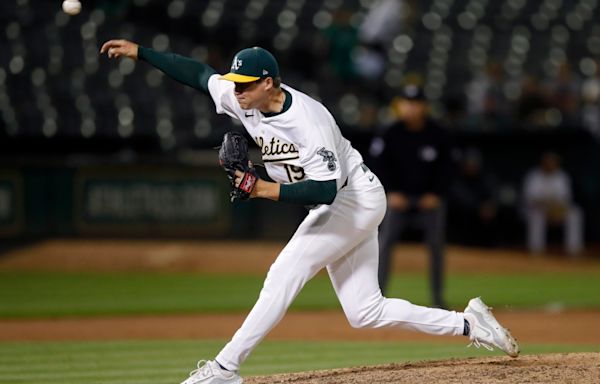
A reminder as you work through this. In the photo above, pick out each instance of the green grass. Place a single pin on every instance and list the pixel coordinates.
(29, 294)
(148, 362)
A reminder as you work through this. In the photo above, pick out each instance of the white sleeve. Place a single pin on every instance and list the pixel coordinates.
(320, 159)
(221, 92)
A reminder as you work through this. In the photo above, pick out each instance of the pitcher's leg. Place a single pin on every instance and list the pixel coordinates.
(354, 279)
(283, 282)
(321, 238)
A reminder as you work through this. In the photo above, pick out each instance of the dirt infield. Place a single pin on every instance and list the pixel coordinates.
(255, 257)
(557, 368)
(252, 257)
(574, 327)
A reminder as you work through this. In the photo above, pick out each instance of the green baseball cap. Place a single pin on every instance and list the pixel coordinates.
(251, 64)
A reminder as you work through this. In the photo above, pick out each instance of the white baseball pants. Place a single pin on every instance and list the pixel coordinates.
(342, 237)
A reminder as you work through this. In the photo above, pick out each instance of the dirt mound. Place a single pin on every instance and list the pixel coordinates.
(552, 368)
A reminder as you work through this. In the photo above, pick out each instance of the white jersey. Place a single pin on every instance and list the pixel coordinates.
(303, 142)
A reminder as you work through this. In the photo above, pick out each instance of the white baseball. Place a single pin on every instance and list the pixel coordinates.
(71, 7)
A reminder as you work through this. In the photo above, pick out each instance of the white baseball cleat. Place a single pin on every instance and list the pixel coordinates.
(486, 331)
(209, 372)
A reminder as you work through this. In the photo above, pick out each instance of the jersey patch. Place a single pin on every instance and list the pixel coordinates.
(328, 157)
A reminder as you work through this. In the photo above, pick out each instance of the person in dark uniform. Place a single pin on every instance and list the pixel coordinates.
(412, 157)
(473, 202)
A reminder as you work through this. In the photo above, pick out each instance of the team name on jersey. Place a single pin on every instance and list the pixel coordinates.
(276, 150)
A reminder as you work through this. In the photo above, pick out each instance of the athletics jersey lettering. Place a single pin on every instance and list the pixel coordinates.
(276, 150)
(304, 142)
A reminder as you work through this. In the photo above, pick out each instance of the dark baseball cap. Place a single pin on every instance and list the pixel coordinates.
(413, 92)
(252, 64)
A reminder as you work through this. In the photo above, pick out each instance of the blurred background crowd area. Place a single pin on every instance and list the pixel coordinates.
(510, 79)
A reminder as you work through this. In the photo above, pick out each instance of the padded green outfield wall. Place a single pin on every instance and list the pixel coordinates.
(116, 201)
(133, 201)
(149, 201)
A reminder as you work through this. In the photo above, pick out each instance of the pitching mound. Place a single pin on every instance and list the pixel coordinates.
(551, 368)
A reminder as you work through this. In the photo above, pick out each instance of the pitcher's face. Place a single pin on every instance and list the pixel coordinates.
(251, 95)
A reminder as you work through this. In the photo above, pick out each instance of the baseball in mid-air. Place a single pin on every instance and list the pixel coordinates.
(71, 7)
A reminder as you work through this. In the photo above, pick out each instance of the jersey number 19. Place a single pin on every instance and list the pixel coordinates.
(294, 173)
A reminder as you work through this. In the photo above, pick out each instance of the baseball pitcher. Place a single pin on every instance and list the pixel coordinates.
(312, 164)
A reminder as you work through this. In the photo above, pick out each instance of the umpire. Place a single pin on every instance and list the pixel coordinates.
(412, 158)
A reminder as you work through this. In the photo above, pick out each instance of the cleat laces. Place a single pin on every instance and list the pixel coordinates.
(203, 370)
(478, 344)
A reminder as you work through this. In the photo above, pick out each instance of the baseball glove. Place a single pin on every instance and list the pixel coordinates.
(233, 155)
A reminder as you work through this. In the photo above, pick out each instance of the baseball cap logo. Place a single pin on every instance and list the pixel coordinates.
(251, 64)
(237, 64)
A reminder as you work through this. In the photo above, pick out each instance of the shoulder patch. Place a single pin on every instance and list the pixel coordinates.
(328, 157)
